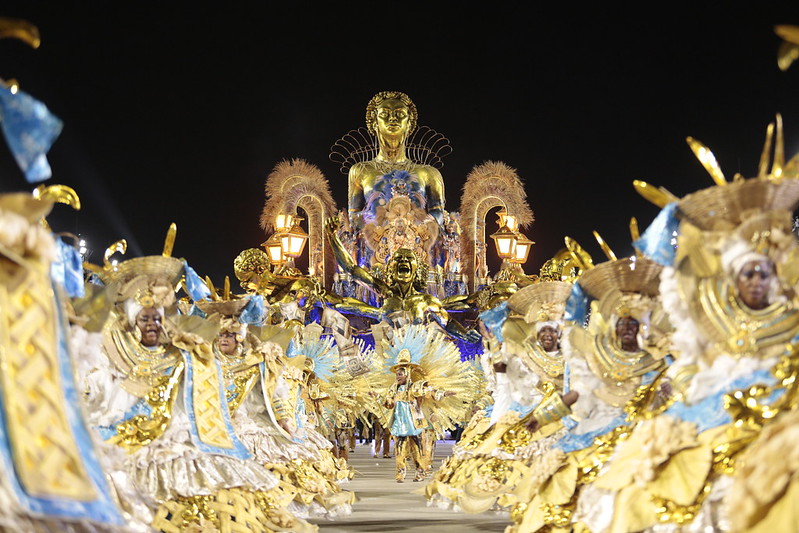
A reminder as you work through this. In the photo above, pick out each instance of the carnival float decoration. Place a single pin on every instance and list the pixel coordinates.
(396, 201)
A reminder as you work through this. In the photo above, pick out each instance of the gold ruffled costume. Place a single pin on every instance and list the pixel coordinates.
(48, 458)
(489, 464)
(607, 377)
(668, 474)
(190, 486)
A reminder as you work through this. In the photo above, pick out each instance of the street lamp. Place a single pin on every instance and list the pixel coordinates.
(505, 241)
(293, 239)
(274, 247)
(507, 220)
(282, 223)
(522, 250)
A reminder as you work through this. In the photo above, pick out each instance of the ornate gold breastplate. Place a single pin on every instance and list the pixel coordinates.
(611, 363)
(548, 367)
(620, 371)
(735, 328)
(142, 366)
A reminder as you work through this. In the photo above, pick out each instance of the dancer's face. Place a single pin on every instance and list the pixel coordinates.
(402, 376)
(753, 283)
(627, 333)
(149, 323)
(227, 343)
(548, 338)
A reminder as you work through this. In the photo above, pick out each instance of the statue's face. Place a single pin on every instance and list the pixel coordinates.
(149, 323)
(627, 333)
(753, 283)
(393, 117)
(548, 338)
(404, 265)
(227, 343)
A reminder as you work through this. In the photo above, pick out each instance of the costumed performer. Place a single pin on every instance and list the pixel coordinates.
(315, 361)
(625, 345)
(702, 461)
(157, 392)
(52, 477)
(427, 374)
(525, 366)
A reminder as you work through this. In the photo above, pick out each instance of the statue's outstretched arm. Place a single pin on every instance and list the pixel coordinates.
(347, 262)
(452, 327)
(457, 303)
(348, 305)
(456, 329)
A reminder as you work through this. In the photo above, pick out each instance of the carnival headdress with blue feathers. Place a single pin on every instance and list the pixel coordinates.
(321, 352)
(407, 347)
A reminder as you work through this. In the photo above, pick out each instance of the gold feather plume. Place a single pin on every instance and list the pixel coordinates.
(296, 183)
(492, 184)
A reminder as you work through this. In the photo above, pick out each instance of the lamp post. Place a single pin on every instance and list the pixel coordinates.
(522, 250)
(294, 239)
(292, 243)
(505, 241)
(286, 243)
(274, 247)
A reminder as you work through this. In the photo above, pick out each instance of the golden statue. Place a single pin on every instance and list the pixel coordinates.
(401, 290)
(391, 117)
(396, 191)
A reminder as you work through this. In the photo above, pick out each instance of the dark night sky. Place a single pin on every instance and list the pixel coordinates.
(178, 114)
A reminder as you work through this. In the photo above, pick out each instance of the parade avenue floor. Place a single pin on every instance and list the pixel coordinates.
(385, 505)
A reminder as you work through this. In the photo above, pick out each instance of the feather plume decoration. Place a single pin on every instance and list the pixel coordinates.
(321, 351)
(492, 184)
(362, 391)
(425, 146)
(294, 184)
